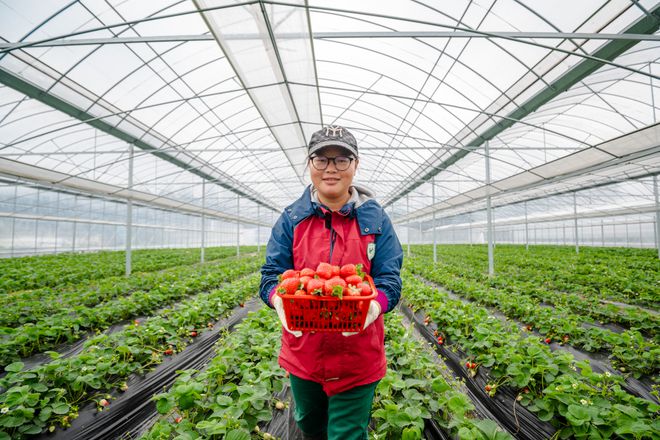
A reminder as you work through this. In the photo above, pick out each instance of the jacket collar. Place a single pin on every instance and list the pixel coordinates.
(360, 205)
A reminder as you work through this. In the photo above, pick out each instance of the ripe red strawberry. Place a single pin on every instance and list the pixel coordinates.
(288, 286)
(168, 352)
(193, 333)
(548, 340)
(347, 270)
(324, 270)
(488, 388)
(289, 274)
(366, 288)
(351, 269)
(178, 419)
(307, 272)
(304, 280)
(355, 280)
(315, 286)
(336, 270)
(441, 340)
(334, 287)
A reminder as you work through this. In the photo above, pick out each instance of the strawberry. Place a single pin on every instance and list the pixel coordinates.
(168, 352)
(548, 340)
(366, 288)
(355, 280)
(315, 286)
(178, 419)
(289, 274)
(441, 340)
(280, 405)
(307, 272)
(488, 388)
(347, 270)
(193, 333)
(305, 279)
(300, 292)
(104, 402)
(324, 270)
(334, 287)
(336, 270)
(289, 286)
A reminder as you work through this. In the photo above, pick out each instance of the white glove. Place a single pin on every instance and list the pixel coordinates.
(279, 308)
(372, 315)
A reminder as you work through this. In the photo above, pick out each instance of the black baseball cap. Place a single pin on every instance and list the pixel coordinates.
(332, 135)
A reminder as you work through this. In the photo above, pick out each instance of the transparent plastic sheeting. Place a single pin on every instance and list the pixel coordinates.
(228, 92)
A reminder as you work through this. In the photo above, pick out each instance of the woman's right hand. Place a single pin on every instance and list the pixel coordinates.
(279, 308)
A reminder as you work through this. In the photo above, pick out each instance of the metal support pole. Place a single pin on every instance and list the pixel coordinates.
(641, 243)
(203, 220)
(129, 213)
(258, 229)
(238, 226)
(36, 225)
(627, 235)
(421, 234)
(526, 229)
(489, 214)
(575, 224)
(657, 213)
(435, 252)
(602, 233)
(57, 223)
(652, 95)
(408, 222)
(13, 221)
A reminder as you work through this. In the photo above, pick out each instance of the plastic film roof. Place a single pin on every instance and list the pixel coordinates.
(559, 95)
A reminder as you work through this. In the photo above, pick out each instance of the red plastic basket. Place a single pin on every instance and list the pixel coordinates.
(326, 313)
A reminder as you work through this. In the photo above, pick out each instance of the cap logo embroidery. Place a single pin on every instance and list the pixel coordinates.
(334, 131)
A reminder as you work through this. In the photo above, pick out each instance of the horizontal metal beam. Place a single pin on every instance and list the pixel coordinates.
(330, 35)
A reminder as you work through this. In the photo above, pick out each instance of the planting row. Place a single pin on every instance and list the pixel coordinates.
(618, 274)
(628, 350)
(28, 306)
(71, 324)
(533, 275)
(40, 400)
(63, 269)
(578, 402)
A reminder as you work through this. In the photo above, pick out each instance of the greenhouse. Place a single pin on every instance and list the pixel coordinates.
(166, 168)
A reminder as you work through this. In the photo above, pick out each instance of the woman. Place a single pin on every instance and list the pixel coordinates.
(334, 375)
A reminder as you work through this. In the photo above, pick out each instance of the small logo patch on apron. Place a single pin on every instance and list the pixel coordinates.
(371, 251)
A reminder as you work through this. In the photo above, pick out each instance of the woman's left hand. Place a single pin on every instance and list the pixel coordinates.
(372, 315)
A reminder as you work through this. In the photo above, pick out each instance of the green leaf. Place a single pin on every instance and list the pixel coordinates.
(237, 434)
(14, 367)
(411, 434)
(164, 405)
(61, 408)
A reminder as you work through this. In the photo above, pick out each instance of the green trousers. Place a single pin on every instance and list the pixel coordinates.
(344, 416)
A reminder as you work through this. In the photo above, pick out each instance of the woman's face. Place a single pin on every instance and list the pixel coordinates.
(331, 183)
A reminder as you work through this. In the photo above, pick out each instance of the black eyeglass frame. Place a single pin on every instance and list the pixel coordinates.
(334, 160)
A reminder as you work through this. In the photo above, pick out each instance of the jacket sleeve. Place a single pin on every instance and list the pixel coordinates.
(386, 264)
(279, 256)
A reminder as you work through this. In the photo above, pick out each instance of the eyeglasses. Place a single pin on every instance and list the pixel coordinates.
(342, 163)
